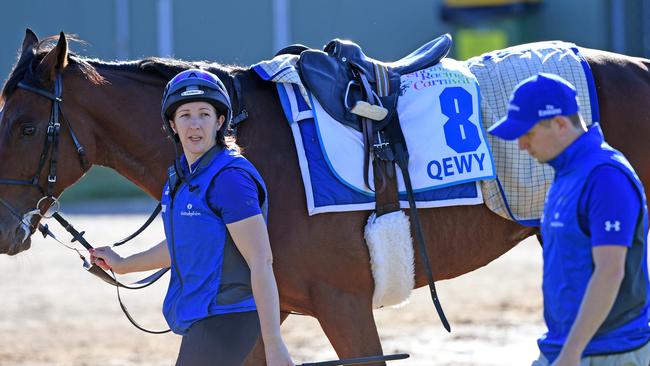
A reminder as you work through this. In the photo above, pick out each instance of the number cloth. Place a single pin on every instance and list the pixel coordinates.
(331, 155)
(439, 114)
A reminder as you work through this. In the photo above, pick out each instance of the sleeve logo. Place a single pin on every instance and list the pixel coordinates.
(616, 225)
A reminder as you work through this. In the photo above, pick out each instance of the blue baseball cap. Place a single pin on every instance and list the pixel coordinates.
(541, 96)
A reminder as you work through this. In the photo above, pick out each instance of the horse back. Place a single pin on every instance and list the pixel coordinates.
(623, 88)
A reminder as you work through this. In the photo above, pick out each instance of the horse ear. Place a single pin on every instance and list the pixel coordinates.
(29, 44)
(30, 40)
(55, 60)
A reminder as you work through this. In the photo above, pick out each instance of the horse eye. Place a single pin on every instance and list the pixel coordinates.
(28, 130)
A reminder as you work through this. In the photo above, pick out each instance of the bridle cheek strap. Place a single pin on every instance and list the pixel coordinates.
(50, 145)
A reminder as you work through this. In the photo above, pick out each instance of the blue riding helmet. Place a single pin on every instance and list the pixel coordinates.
(195, 85)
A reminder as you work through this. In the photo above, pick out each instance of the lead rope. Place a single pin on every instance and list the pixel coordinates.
(96, 270)
(152, 217)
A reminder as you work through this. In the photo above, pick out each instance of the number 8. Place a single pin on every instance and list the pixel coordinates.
(460, 134)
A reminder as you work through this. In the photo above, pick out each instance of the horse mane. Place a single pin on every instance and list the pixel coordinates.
(25, 68)
(165, 68)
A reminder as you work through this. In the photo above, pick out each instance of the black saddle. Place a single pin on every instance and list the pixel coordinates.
(332, 76)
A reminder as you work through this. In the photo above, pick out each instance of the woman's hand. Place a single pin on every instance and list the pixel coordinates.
(107, 259)
(153, 258)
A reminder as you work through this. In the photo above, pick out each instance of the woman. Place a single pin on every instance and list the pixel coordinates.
(216, 243)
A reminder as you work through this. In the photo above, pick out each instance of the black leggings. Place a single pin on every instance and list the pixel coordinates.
(220, 340)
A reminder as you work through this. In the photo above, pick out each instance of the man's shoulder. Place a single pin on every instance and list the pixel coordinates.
(608, 181)
(607, 172)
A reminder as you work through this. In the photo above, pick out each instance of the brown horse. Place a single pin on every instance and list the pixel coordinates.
(321, 262)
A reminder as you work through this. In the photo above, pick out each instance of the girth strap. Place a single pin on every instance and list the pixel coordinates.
(386, 201)
(383, 83)
(367, 128)
(402, 159)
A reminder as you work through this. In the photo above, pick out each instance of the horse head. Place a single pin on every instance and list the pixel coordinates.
(38, 151)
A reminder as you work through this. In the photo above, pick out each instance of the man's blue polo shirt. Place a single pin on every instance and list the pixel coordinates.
(595, 199)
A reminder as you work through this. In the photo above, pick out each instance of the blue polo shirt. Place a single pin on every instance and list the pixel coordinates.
(609, 193)
(596, 199)
(233, 194)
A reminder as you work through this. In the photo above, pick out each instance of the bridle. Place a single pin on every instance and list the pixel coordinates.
(50, 147)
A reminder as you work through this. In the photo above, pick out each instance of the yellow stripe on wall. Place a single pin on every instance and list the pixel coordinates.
(484, 3)
(474, 42)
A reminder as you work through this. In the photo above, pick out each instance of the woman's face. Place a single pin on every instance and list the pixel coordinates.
(196, 124)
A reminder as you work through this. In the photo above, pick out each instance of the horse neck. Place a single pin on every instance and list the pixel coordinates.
(126, 127)
(265, 136)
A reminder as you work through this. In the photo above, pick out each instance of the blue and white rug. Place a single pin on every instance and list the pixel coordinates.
(520, 189)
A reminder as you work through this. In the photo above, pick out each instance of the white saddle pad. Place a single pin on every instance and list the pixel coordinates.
(441, 121)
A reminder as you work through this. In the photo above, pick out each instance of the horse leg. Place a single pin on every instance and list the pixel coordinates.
(348, 323)
(257, 356)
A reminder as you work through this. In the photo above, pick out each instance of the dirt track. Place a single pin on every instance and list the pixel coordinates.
(52, 313)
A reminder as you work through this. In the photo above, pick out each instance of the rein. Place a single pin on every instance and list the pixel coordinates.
(50, 147)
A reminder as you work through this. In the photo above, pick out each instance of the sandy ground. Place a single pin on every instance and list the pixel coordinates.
(53, 313)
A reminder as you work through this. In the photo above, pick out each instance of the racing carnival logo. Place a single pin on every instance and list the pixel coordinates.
(433, 76)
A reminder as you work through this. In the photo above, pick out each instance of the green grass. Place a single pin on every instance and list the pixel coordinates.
(101, 183)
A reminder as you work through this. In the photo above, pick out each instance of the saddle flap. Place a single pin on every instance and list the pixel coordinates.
(326, 76)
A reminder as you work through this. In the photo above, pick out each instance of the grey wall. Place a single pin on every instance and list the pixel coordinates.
(373, 24)
(241, 31)
(584, 22)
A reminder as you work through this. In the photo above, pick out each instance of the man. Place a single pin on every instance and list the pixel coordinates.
(594, 230)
